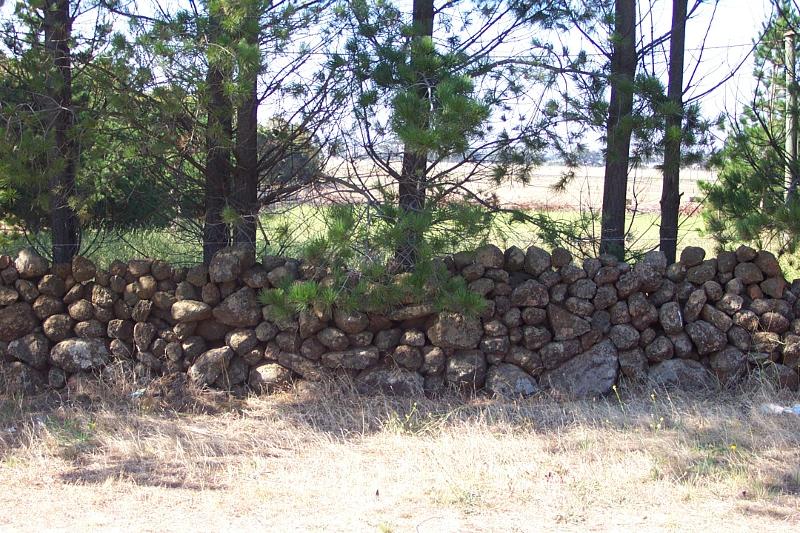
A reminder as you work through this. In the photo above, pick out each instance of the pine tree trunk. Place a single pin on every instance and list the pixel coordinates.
(245, 196)
(218, 154)
(63, 220)
(245, 190)
(411, 186)
(623, 72)
(670, 194)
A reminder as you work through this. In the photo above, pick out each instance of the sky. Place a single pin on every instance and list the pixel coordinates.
(736, 24)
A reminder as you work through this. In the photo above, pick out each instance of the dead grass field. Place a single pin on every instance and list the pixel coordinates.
(335, 461)
(583, 192)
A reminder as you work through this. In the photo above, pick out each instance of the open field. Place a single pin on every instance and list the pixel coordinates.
(583, 191)
(335, 461)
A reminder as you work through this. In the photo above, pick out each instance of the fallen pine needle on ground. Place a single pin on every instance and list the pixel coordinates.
(328, 459)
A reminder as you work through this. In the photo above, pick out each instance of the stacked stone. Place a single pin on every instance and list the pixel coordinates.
(548, 322)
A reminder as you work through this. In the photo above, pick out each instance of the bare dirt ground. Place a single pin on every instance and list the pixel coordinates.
(330, 460)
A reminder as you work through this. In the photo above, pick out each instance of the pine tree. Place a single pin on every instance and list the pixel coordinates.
(215, 69)
(748, 202)
(68, 164)
(441, 93)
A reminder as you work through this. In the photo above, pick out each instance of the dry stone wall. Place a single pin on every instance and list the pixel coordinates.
(576, 328)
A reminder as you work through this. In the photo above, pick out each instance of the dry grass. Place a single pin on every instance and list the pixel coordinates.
(296, 461)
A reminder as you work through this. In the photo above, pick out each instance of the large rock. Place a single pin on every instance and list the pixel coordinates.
(412, 312)
(29, 264)
(455, 331)
(624, 336)
(193, 347)
(32, 349)
(391, 381)
(353, 359)
(240, 309)
(351, 322)
(143, 334)
(255, 277)
(694, 305)
(90, 329)
(307, 369)
(333, 338)
(408, 357)
(706, 337)
(729, 364)
(768, 264)
(102, 297)
(589, 374)
(433, 360)
(657, 260)
(309, 324)
(16, 320)
(642, 312)
(83, 269)
(530, 293)
(79, 355)
(241, 341)
(685, 374)
(190, 311)
(58, 327)
(717, 318)
(748, 273)
(529, 360)
(139, 267)
(120, 329)
(692, 256)
(210, 365)
(730, 303)
(703, 272)
(466, 368)
(20, 379)
(537, 261)
(670, 317)
(554, 353)
(633, 363)
(8, 295)
(489, 256)
(230, 262)
(565, 324)
(774, 287)
(510, 381)
(268, 378)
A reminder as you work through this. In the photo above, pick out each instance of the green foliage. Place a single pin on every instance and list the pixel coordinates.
(749, 201)
(381, 294)
(356, 252)
(115, 189)
(432, 90)
(456, 296)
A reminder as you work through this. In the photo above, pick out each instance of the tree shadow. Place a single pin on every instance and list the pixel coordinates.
(143, 472)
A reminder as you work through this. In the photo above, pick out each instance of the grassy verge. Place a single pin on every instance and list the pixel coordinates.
(332, 460)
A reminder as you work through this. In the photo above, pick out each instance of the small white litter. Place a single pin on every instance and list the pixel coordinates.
(775, 409)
